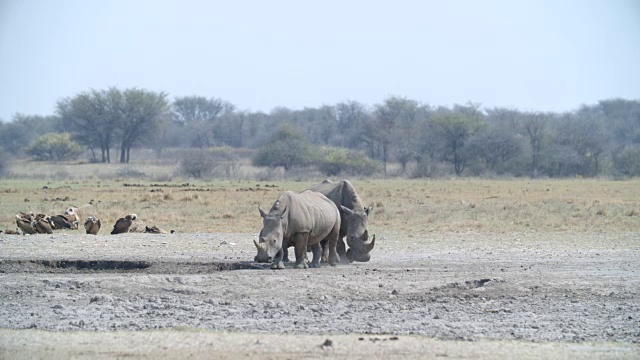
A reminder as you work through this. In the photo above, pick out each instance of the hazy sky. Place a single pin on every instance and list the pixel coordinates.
(532, 55)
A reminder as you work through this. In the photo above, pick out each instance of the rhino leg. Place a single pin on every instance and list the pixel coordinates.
(300, 241)
(341, 249)
(277, 260)
(333, 242)
(325, 250)
(285, 250)
(316, 249)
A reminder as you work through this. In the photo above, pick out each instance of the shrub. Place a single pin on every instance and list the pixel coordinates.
(197, 164)
(213, 162)
(226, 162)
(336, 161)
(627, 162)
(4, 163)
(54, 147)
(288, 148)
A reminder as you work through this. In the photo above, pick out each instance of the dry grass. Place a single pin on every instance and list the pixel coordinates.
(407, 206)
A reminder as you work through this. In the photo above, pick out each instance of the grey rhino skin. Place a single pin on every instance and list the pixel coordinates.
(303, 220)
(354, 216)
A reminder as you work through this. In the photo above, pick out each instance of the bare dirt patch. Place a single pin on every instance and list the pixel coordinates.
(521, 289)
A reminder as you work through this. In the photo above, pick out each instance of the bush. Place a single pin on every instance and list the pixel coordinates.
(197, 164)
(335, 161)
(288, 148)
(214, 162)
(4, 163)
(54, 147)
(627, 162)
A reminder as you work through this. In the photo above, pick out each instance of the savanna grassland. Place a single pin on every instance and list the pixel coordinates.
(462, 267)
(413, 207)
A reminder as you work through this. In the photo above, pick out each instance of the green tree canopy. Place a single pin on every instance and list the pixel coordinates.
(454, 129)
(54, 147)
(288, 148)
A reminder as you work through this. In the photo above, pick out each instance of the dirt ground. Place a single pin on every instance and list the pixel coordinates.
(524, 295)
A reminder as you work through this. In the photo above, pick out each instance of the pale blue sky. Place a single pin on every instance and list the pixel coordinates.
(531, 55)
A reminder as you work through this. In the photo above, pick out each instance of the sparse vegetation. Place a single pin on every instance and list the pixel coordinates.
(337, 161)
(54, 147)
(408, 138)
(412, 206)
(4, 163)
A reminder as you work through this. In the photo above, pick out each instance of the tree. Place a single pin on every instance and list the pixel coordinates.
(583, 138)
(143, 111)
(16, 135)
(351, 117)
(494, 146)
(454, 130)
(93, 117)
(4, 162)
(200, 115)
(393, 112)
(54, 147)
(288, 148)
(534, 124)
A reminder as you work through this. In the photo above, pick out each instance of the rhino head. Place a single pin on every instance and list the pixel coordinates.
(271, 236)
(357, 234)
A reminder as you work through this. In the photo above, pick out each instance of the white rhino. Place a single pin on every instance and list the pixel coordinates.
(303, 220)
(354, 217)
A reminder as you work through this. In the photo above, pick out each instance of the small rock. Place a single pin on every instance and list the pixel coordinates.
(327, 343)
(394, 292)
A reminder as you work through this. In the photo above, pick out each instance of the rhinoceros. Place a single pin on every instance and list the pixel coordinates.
(303, 220)
(354, 217)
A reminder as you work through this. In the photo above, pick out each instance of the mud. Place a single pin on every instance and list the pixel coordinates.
(528, 287)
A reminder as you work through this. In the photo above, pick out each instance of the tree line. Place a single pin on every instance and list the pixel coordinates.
(426, 140)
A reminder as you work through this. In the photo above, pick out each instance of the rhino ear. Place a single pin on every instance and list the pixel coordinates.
(346, 210)
(283, 212)
(262, 213)
(367, 210)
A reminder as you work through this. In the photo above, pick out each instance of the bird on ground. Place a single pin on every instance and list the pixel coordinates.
(23, 221)
(154, 230)
(42, 224)
(123, 224)
(92, 225)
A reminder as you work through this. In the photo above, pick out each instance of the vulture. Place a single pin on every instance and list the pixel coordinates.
(123, 224)
(73, 218)
(154, 230)
(42, 224)
(137, 226)
(24, 223)
(92, 225)
(61, 222)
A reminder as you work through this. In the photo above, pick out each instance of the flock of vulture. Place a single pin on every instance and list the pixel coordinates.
(28, 224)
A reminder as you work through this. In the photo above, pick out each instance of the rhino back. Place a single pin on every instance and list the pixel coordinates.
(308, 212)
(341, 192)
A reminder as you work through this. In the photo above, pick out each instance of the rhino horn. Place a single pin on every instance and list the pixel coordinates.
(262, 213)
(368, 246)
(256, 244)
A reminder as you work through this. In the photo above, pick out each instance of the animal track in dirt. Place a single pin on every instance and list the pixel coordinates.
(469, 284)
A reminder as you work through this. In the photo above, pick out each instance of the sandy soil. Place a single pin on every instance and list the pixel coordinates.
(457, 295)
